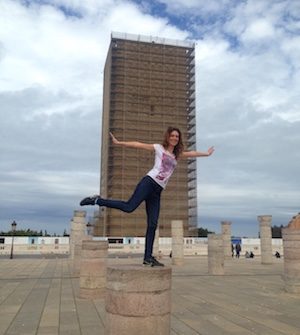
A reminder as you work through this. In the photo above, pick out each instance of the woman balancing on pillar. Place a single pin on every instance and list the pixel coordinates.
(151, 186)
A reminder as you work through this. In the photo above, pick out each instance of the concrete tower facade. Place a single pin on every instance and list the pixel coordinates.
(149, 84)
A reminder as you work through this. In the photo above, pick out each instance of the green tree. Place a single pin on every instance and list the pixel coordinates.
(46, 233)
(21, 232)
(203, 232)
(276, 231)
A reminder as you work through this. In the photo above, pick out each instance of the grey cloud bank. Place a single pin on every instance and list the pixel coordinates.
(248, 98)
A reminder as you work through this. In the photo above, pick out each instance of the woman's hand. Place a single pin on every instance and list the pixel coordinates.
(114, 140)
(210, 151)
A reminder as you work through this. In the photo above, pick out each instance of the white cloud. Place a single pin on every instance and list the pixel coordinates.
(128, 18)
(45, 49)
(259, 29)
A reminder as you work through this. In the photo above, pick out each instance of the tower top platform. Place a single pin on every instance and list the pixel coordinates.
(152, 39)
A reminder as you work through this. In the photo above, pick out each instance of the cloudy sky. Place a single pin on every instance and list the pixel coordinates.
(52, 55)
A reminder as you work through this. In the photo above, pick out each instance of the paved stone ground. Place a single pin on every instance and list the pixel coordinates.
(40, 296)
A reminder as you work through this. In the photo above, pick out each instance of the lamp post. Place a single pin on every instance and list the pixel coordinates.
(13, 229)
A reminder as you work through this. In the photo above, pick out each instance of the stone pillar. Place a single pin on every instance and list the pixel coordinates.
(265, 238)
(71, 239)
(98, 222)
(78, 235)
(291, 252)
(78, 226)
(138, 300)
(78, 255)
(295, 222)
(156, 244)
(93, 269)
(215, 254)
(226, 233)
(177, 242)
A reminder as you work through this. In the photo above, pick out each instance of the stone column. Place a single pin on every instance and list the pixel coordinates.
(138, 300)
(98, 222)
(93, 269)
(78, 235)
(71, 246)
(291, 252)
(78, 226)
(226, 233)
(156, 244)
(265, 238)
(177, 242)
(215, 254)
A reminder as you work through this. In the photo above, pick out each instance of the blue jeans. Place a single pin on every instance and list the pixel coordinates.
(149, 191)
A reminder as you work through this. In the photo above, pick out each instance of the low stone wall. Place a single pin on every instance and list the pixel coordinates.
(191, 247)
(41, 249)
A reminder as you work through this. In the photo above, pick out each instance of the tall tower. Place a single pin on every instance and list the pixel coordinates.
(149, 84)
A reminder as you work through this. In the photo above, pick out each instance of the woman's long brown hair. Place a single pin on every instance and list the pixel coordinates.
(178, 149)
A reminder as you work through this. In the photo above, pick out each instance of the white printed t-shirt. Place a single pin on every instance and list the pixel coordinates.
(164, 166)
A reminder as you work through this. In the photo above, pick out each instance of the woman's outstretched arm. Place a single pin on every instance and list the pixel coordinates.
(190, 154)
(134, 144)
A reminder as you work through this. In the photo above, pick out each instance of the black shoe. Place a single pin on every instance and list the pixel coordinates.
(155, 262)
(89, 200)
(147, 262)
(152, 262)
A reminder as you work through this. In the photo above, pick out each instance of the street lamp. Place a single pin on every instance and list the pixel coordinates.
(13, 229)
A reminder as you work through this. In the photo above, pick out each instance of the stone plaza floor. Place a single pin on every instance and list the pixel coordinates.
(40, 296)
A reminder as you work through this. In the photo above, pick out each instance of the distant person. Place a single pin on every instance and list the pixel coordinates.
(238, 250)
(277, 254)
(251, 254)
(247, 254)
(150, 187)
(232, 250)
